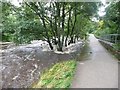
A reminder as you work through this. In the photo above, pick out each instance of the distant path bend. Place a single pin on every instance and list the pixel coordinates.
(100, 71)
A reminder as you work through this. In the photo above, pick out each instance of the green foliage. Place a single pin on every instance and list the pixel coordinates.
(20, 25)
(116, 46)
(110, 23)
(59, 76)
(46, 20)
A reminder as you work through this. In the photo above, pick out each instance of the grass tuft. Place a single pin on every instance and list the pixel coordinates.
(59, 76)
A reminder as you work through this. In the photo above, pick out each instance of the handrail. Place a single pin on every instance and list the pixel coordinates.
(113, 38)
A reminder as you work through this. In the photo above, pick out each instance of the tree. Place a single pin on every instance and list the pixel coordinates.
(55, 22)
(110, 23)
(19, 24)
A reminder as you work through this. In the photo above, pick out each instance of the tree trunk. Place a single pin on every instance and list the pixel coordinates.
(68, 28)
(48, 39)
(63, 20)
(59, 33)
(71, 35)
(52, 27)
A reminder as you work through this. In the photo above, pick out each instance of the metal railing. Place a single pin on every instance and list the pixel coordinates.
(113, 38)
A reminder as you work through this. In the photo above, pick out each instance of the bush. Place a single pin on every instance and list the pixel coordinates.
(117, 46)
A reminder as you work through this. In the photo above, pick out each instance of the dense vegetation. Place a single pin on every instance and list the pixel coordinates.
(59, 76)
(108, 27)
(59, 23)
(110, 22)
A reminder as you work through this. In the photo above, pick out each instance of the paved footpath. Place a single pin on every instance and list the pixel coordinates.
(100, 71)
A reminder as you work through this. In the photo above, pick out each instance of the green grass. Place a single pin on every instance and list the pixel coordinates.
(116, 46)
(59, 76)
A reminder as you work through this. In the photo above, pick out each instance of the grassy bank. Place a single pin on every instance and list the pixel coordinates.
(59, 76)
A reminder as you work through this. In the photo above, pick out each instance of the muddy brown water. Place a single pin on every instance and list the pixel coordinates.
(20, 69)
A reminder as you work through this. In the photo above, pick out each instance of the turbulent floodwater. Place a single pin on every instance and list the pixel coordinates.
(21, 66)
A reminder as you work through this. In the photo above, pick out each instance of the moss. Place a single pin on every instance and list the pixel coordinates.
(59, 76)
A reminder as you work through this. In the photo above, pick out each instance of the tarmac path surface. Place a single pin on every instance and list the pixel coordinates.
(98, 69)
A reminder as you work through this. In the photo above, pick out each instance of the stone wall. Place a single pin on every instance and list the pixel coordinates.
(109, 47)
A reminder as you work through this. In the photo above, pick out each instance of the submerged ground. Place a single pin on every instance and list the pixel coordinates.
(22, 65)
